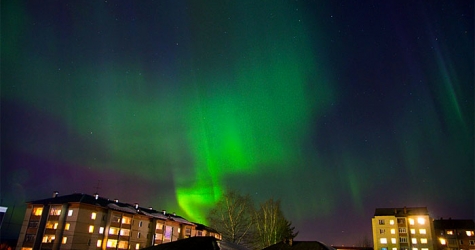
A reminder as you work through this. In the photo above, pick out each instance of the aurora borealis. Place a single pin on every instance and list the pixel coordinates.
(335, 107)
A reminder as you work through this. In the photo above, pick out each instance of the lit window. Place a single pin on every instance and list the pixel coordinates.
(93, 215)
(65, 239)
(159, 225)
(67, 226)
(450, 232)
(91, 229)
(55, 211)
(442, 241)
(414, 240)
(123, 245)
(422, 231)
(469, 233)
(424, 248)
(111, 243)
(394, 248)
(391, 222)
(179, 230)
(424, 240)
(382, 231)
(393, 231)
(126, 220)
(114, 231)
(48, 238)
(37, 211)
(421, 221)
(411, 221)
(101, 230)
(52, 225)
(137, 246)
(393, 240)
(99, 243)
(70, 212)
(125, 232)
(413, 231)
(383, 241)
(414, 248)
(381, 222)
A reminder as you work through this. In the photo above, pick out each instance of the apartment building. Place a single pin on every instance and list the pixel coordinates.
(407, 228)
(455, 234)
(82, 221)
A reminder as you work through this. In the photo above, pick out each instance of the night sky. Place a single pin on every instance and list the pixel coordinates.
(334, 107)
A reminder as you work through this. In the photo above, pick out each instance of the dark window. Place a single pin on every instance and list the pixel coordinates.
(33, 224)
(30, 238)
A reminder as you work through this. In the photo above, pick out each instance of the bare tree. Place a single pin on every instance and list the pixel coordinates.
(271, 224)
(232, 217)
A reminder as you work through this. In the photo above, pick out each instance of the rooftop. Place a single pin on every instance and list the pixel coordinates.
(106, 203)
(401, 212)
(454, 224)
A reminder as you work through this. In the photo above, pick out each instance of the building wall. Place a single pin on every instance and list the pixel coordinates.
(413, 232)
(453, 238)
(85, 226)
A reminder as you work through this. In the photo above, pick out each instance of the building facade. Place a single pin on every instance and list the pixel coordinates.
(403, 229)
(455, 234)
(81, 221)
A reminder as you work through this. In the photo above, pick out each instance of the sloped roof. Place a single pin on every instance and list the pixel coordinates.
(401, 212)
(203, 227)
(107, 204)
(454, 224)
(299, 245)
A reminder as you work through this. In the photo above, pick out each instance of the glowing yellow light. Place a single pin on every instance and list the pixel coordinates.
(37, 211)
(469, 233)
(422, 231)
(450, 232)
(99, 243)
(393, 231)
(383, 240)
(411, 221)
(91, 229)
(66, 227)
(93, 216)
(413, 231)
(393, 240)
(442, 241)
(391, 222)
(424, 240)
(421, 221)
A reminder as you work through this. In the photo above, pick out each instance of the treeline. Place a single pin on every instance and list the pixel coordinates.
(242, 223)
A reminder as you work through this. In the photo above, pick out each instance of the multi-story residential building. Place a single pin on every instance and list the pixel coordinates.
(81, 221)
(455, 234)
(403, 229)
